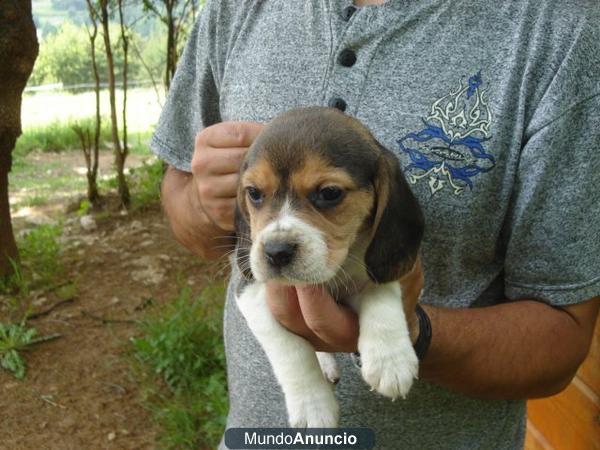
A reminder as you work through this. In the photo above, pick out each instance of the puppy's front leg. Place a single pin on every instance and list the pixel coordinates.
(309, 397)
(389, 363)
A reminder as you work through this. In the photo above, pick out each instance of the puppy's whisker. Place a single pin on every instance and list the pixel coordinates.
(243, 241)
(232, 247)
(340, 276)
(237, 238)
(343, 281)
(349, 279)
(228, 254)
(335, 294)
(244, 258)
(361, 264)
(244, 267)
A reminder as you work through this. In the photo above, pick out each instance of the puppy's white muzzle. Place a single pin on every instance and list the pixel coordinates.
(290, 250)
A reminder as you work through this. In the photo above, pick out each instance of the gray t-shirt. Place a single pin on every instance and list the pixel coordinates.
(493, 109)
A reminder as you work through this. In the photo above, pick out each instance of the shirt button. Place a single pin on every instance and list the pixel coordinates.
(348, 12)
(347, 58)
(339, 103)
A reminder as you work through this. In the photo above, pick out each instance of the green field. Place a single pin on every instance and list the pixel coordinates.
(48, 164)
(143, 107)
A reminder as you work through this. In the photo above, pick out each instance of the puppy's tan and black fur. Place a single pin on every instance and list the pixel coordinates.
(320, 201)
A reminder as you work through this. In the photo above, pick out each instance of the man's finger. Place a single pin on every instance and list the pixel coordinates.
(217, 161)
(230, 134)
(221, 186)
(332, 323)
(283, 303)
(226, 160)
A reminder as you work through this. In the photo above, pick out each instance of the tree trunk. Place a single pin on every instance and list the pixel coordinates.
(8, 248)
(171, 46)
(119, 161)
(125, 45)
(92, 165)
(18, 50)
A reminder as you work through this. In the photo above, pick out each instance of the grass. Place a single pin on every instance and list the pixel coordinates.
(35, 200)
(58, 136)
(180, 358)
(48, 119)
(40, 268)
(38, 179)
(39, 251)
(145, 183)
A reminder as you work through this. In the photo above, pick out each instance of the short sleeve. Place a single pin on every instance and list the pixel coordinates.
(553, 248)
(193, 100)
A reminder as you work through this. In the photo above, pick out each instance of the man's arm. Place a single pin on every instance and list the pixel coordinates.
(520, 349)
(200, 205)
(515, 350)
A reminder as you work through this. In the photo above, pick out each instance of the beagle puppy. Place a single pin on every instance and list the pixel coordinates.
(320, 201)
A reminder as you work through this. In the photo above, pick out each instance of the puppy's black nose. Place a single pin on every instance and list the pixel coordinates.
(279, 253)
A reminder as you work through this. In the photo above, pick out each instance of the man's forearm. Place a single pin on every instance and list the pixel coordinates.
(515, 350)
(190, 225)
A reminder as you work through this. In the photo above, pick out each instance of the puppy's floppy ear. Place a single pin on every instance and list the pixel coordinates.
(397, 224)
(244, 239)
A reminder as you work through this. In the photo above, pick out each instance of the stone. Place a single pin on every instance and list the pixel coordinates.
(149, 276)
(136, 225)
(88, 223)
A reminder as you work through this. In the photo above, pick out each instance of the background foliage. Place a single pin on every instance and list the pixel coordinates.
(65, 55)
(182, 345)
(177, 349)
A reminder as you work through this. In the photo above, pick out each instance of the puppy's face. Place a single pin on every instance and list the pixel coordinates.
(302, 224)
(309, 187)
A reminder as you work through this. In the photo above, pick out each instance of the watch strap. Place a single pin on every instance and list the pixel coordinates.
(421, 345)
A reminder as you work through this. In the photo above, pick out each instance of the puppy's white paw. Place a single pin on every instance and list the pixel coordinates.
(390, 372)
(329, 367)
(317, 408)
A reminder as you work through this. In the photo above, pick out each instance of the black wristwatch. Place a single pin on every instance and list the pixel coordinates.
(421, 345)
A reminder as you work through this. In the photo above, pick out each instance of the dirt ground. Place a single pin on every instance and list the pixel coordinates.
(79, 392)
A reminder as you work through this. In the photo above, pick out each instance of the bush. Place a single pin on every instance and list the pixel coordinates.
(182, 345)
(65, 57)
(153, 53)
(145, 184)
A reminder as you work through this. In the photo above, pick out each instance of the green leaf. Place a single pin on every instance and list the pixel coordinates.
(13, 362)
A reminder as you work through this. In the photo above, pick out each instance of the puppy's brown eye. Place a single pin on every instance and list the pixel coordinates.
(327, 197)
(255, 195)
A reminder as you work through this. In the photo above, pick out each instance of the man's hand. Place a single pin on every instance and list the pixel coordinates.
(200, 206)
(219, 152)
(311, 312)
